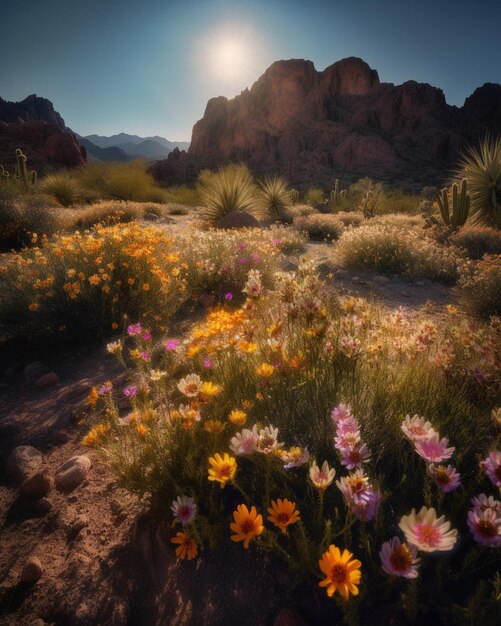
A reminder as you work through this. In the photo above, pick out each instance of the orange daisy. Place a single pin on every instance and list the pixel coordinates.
(341, 571)
(247, 524)
(283, 513)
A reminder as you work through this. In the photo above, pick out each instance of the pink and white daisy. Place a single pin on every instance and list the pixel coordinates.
(482, 502)
(295, 457)
(190, 385)
(485, 526)
(367, 508)
(399, 559)
(427, 532)
(433, 449)
(347, 440)
(492, 467)
(353, 458)
(446, 478)
(245, 442)
(417, 427)
(341, 412)
(348, 425)
(184, 510)
(268, 440)
(321, 478)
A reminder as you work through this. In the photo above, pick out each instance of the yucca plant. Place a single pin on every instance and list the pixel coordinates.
(482, 168)
(63, 187)
(225, 191)
(274, 198)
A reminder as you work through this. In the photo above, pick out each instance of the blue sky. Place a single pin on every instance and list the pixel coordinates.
(149, 66)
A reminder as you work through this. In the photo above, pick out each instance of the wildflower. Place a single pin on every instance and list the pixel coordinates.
(247, 524)
(354, 487)
(146, 287)
(207, 363)
(485, 526)
(321, 478)
(352, 458)
(268, 440)
(399, 559)
(228, 296)
(209, 390)
(184, 510)
(34, 306)
(283, 513)
(427, 532)
(172, 345)
(451, 309)
(492, 467)
(433, 449)
(341, 412)
(416, 427)
(145, 356)
(105, 388)
(446, 478)
(265, 370)
(253, 285)
(157, 374)
(238, 417)
(190, 385)
(115, 347)
(223, 468)
(134, 329)
(482, 502)
(92, 396)
(142, 430)
(214, 426)
(247, 347)
(130, 391)
(187, 549)
(295, 457)
(245, 442)
(342, 572)
(147, 336)
(367, 509)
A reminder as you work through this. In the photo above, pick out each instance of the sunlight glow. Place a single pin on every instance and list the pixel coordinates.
(229, 60)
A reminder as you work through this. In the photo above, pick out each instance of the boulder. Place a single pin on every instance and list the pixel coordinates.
(47, 380)
(32, 571)
(35, 370)
(38, 485)
(22, 462)
(72, 473)
(238, 219)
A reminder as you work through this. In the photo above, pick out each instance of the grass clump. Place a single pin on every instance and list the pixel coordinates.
(481, 288)
(320, 227)
(314, 196)
(392, 250)
(63, 186)
(477, 240)
(182, 195)
(225, 191)
(274, 199)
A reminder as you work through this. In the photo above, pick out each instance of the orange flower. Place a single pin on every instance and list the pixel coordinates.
(237, 417)
(247, 524)
(341, 571)
(283, 513)
(187, 548)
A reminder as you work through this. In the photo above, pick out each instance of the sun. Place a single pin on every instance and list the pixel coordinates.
(229, 60)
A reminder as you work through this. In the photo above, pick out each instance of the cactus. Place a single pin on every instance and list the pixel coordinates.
(294, 196)
(337, 194)
(3, 172)
(368, 205)
(454, 213)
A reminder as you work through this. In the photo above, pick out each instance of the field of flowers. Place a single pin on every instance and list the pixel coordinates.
(358, 445)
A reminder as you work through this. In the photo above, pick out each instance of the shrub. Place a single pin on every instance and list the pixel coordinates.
(481, 289)
(392, 250)
(182, 194)
(105, 212)
(227, 190)
(482, 169)
(399, 220)
(320, 227)
(477, 240)
(63, 187)
(177, 209)
(314, 195)
(297, 210)
(350, 218)
(274, 199)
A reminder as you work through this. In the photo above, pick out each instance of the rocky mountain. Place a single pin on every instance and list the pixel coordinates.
(34, 126)
(149, 148)
(95, 153)
(342, 123)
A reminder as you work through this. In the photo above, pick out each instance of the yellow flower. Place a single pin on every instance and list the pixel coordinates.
(265, 370)
(223, 468)
(142, 430)
(34, 306)
(92, 396)
(452, 309)
(214, 426)
(146, 287)
(187, 548)
(238, 417)
(247, 347)
(209, 389)
(283, 513)
(247, 524)
(94, 279)
(342, 573)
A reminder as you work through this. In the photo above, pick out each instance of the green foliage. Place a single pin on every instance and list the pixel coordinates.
(454, 213)
(227, 190)
(337, 195)
(26, 180)
(314, 196)
(273, 199)
(63, 187)
(320, 227)
(182, 194)
(482, 169)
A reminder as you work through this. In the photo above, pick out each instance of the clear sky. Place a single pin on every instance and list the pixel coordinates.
(149, 66)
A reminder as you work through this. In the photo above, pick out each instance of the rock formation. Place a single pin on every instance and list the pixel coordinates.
(343, 122)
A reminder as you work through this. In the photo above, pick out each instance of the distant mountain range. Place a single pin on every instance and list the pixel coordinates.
(124, 147)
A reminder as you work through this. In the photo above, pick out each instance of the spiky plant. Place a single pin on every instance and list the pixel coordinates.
(229, 189)
(274, 198)
(63, 186)
(482, 168)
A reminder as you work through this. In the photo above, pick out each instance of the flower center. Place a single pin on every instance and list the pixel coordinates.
(417, 431)
(339, 573)
(247, 527)
(442, 476)
(428, 535)
(282, 518)
(225, 471)
(401, 559)
(486, 528)
(191, 388)
(184, 512)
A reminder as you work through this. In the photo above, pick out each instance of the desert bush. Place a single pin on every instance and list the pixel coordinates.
(120, 181)
(482, 169)
(301, 210)
(396, 201)
(246, 408)
(63, 187)
(25, 217)
(273, 199)
(314, 195)
(393, 250)
(183, 195)
(399, 220)
(320, 227)
(227, 190)
(481, 287)
(177, 209)
(350, 218)
(477, 240)
(105, 212)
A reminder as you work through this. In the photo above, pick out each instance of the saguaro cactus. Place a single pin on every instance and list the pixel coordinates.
(454, 213)
(337, 194)
(22, 171)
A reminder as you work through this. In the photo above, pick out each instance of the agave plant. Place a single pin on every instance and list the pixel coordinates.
(482, 168)
(274, 198)
(225, 191)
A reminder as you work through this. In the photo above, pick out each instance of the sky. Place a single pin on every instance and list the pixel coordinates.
(148, 67)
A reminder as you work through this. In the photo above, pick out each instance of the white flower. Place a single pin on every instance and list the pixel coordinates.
(427, 532)
(321, 478)
(417, 428)
(184, 509)
(157, 374)
(190, 385)
(114, 347)
(253, 286)
(268, 440)
(245, 442)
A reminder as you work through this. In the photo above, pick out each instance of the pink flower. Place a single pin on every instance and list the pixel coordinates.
(434, 450)
(354, 487)
(145, 356)
(485, 526)
(446, 478)
(172, 344)
(147, 335)
(228, 296)
(417, 428)
(207, 363)
(184, 509)
(106, 388)
(482, 502)
(427, 532)
(348, 425)
(341, 412)
(245, 442)
(492, 467)
(130, 392)
(134, 329)
(353, 458)
(399, 559)
(368, 508)
(347, 440)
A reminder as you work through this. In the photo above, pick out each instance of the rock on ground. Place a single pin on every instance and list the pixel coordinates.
(72, 473)
(22, 462)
